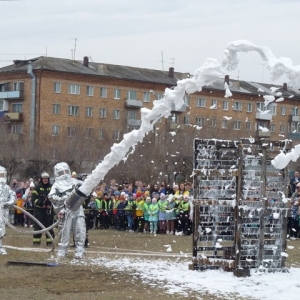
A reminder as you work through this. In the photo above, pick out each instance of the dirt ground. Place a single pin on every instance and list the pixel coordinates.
(69, 281)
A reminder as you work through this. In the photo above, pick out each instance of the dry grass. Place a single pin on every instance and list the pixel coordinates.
(68, 281)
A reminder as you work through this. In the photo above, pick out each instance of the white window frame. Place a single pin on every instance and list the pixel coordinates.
(146, 97)
(132, 95)
(295, 111)
(187, 100)
(117, 94)
(224, 123)
(132, 115)
(200, 102)
(225, 105)
(248, 125)
(57, 87)
(200, 121)
(237, 106)
(213, 122)
(186, 120)
(90, 132)
(73, 110)
(89, 112)
(17, 107)
(116, 134)
(237, 125)
(74, 89)
(55, 130)
(103, 113)
(282, 128)
(214, 103)
(90, 91)
(103, 92)
(249, 107)
(116, 114)
(272, 127)
(282, 110)
(56, 109)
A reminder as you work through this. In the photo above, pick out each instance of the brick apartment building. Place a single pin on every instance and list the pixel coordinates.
(49, 98)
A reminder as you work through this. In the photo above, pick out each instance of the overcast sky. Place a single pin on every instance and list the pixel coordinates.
(137, 32)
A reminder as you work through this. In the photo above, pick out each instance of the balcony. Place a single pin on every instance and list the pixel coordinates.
(8, 117)
(261, 116)
(134, 103)
(181, 109)
(294, 136)
(11, 95)
(263, 134)
(134, 122)
(294, 118)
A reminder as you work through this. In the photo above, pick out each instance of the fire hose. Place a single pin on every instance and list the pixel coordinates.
(44, 229)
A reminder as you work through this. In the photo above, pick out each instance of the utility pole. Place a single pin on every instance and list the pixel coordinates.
(173, 61)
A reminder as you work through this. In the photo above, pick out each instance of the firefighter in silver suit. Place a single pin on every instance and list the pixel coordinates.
(73, 220)
(7, 198)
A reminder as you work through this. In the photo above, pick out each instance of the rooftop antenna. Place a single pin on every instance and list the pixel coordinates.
(162, 60)
(74, 50)
(173, 61)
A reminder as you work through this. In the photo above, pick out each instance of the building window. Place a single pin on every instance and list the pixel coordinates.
(295, 112)
(224, 123)
(3, 105)
(272, 108)
(131, 95)
(214, 104)
(187, 100)
(282, 110)
(57, 87)
(117, 94)
(237, 106)
(200, 102)
(159, 96)
(103, 92)
(200, 121)
(117, 114)
(146, 97)
(74, 89)
(248, 125)
(225, 105)
(17, 107)
(213, 122)
(55, 130)
(237, 125)
(173, 119)
(249, 107)
(71, 131)
(18, 86)
(116, 135)
(73, 110)
(102, 113)
(272, 127)
(89, 112)
(17, 129)
(282, 128)
(186, 120)
(89, 133)
(131, 115)
(295, 127)
(56, 109)
(101, 134)
(90, 91)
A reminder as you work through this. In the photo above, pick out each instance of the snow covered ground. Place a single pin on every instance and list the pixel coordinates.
(175, 277)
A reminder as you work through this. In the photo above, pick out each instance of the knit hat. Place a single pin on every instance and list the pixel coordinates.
(74, 174)
(31, 184)
(162, 195)
(117, 193)
(94, 194)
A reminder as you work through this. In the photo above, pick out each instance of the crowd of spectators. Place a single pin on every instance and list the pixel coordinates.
(148, 208)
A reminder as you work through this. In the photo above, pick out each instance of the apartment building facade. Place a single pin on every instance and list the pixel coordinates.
(49, 98)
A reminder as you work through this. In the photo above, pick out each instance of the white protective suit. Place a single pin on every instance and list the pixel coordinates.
(73, 220)
(7, 198)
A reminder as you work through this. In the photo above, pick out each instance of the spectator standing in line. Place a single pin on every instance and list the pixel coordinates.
(170, 215)
(153, 215)
(294, 181)
(147, 203)
(293, 222)
(162, 204)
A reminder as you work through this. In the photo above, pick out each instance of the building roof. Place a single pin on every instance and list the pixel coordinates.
(143, 75)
